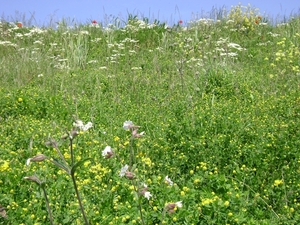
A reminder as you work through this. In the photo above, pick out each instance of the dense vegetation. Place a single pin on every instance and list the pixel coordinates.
(218, 100)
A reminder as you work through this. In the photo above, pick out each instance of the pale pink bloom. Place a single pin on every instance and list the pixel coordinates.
(171, 206)
(129, 175)
(135, 134)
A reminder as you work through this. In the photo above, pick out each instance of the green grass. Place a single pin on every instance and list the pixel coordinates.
(219, 102)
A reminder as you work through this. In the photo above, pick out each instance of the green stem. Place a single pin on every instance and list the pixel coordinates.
(139, 201)
(47, 205)
(72, 153)
(79, 199)
(131, 152)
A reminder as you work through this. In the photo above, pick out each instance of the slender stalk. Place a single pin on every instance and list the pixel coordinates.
(140, 209)
(139, 201)
(79, 199)
(47, 205)
(72, 152)
(163, 216)
(131, 152)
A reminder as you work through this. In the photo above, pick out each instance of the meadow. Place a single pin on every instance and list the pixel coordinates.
(197, 123)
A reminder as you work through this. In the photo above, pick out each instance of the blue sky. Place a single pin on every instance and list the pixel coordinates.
(83, 11)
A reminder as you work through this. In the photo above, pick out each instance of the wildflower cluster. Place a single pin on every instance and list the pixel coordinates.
(244, 18)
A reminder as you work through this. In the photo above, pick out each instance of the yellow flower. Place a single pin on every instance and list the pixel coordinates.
(4, 166)
(278, 182)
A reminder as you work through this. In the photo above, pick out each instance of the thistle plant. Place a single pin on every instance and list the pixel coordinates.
(61, 163)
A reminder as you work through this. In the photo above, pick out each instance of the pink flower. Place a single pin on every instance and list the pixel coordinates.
(180, 22)
(135, 134)
(145, 192)
(94, 22)
(171, 207)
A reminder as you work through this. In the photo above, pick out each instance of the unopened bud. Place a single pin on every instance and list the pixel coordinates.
(37, 158)
(73, 133)
(109, 155)
(3, 212)
(65, 136)
(33, 178)
(51, 143)
(129, 175)
(171, 206)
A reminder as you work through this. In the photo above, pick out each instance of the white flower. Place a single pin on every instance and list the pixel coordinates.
(87, 126)
(147, 195)
(178, 204)
(169, 181)
(107, 152)
(123, 170)
(28, 161)
(82, 126)
(78, 123)
(128, 125)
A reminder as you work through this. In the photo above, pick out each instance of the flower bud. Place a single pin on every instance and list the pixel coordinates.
(129, 175)
(73, 133)
(33, 178)
(3, 212)
(37, 158)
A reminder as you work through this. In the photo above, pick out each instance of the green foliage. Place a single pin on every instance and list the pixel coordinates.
(218, 100)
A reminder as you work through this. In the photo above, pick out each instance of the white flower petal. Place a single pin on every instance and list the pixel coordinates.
(28, 161)
(147, 195)
(127, 125)
(123, 170)
(178, 204)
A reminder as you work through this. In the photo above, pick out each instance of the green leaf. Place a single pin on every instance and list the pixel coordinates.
(73, 169)
(60, 165)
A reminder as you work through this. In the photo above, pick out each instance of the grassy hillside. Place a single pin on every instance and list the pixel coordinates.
(218, 100)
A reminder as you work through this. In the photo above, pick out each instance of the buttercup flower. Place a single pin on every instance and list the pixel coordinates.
(169, 181)
(107, 152)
